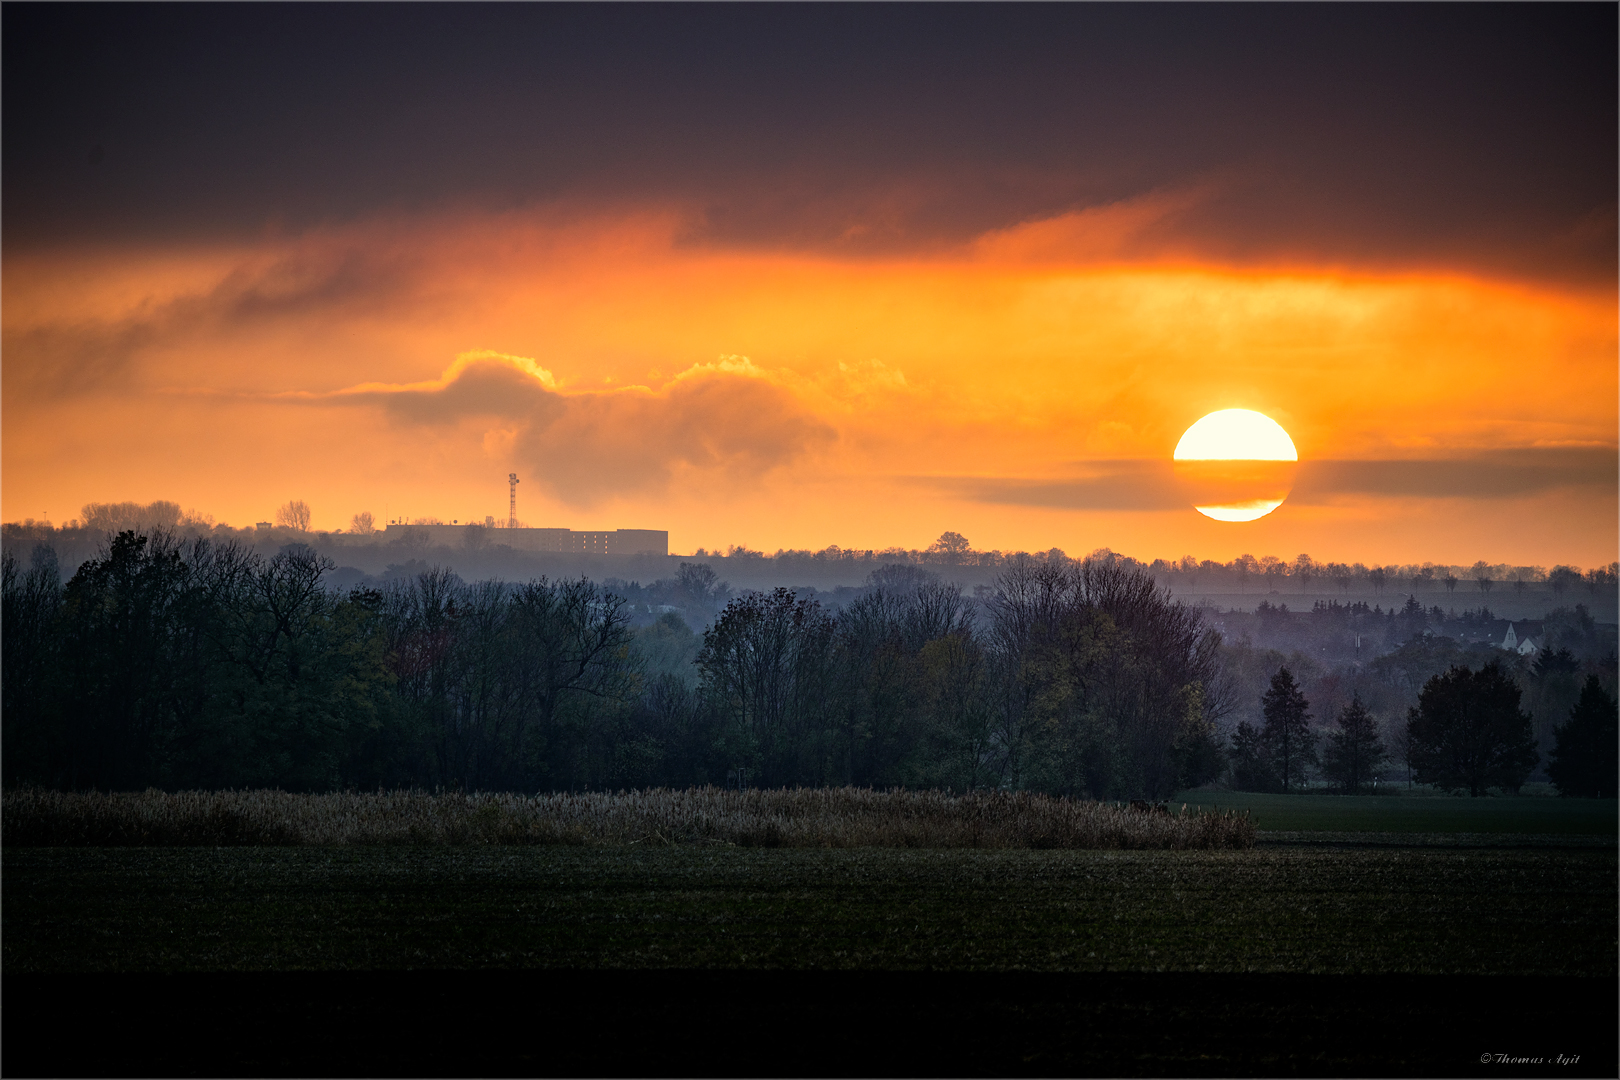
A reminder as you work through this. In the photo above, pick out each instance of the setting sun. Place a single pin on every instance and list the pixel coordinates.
(1237, 464)
(1236, 433)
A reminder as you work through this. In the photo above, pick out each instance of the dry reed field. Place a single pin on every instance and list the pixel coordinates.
(795, 818)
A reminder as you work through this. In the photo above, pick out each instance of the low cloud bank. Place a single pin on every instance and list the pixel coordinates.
(1137, 484)
(585, 446)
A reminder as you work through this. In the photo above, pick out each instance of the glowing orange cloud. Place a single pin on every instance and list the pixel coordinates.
(1027, 390)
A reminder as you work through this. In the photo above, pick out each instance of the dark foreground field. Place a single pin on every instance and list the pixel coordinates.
(433, 961)
(1425, 814)
(805, 1023)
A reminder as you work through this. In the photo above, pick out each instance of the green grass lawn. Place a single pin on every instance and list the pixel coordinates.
(1415, 814)
(1514, 911)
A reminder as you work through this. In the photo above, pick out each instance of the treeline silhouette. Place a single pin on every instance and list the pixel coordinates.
(952, 551)
(1244, 574)
(1466, 732)
(199, 663)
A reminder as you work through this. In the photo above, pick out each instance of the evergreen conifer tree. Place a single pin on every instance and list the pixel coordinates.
(1288, 727)
(1355, 749)
(1251, 760)
(1584, 761)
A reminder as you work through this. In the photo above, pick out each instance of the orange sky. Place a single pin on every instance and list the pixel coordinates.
(1026, 389)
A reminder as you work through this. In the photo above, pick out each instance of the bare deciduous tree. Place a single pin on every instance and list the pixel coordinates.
(1562, 577)
(363, 523)
(116, 517)
(1305, 569)
(294, 515)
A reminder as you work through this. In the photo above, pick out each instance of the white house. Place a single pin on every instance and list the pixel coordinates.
(1511, 643)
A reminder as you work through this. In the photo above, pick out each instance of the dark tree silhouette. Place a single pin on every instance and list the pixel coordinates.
(1549, 662)
(1355, 750)
(1413, 618)
(699, 585)
(1251, 760)
(1562, 578)
(953, 547)
(1107, 685)
(1468, 733)
(1305, 568)
(30, 602)
(765, 663)
(1584, 762)
(1288, 727)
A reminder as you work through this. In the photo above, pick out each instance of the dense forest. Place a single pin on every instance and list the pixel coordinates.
(196, 662)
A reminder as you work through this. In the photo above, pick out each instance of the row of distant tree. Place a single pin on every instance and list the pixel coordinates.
(1466, 733)
(1240, 574)
(1303, 573)
(1306, 574)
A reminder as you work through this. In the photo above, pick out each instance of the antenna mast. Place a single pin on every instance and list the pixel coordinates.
(511, 511)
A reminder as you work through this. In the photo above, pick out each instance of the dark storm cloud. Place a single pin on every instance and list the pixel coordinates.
(1480, 135)
(1151, 485)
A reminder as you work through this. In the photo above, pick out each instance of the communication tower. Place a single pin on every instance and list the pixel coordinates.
(511, 512)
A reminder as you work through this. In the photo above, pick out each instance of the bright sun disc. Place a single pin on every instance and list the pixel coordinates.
(1236, 434)
(1236, 464)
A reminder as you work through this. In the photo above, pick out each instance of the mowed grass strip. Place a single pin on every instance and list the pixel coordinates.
(1414, 814)
(260, 909)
